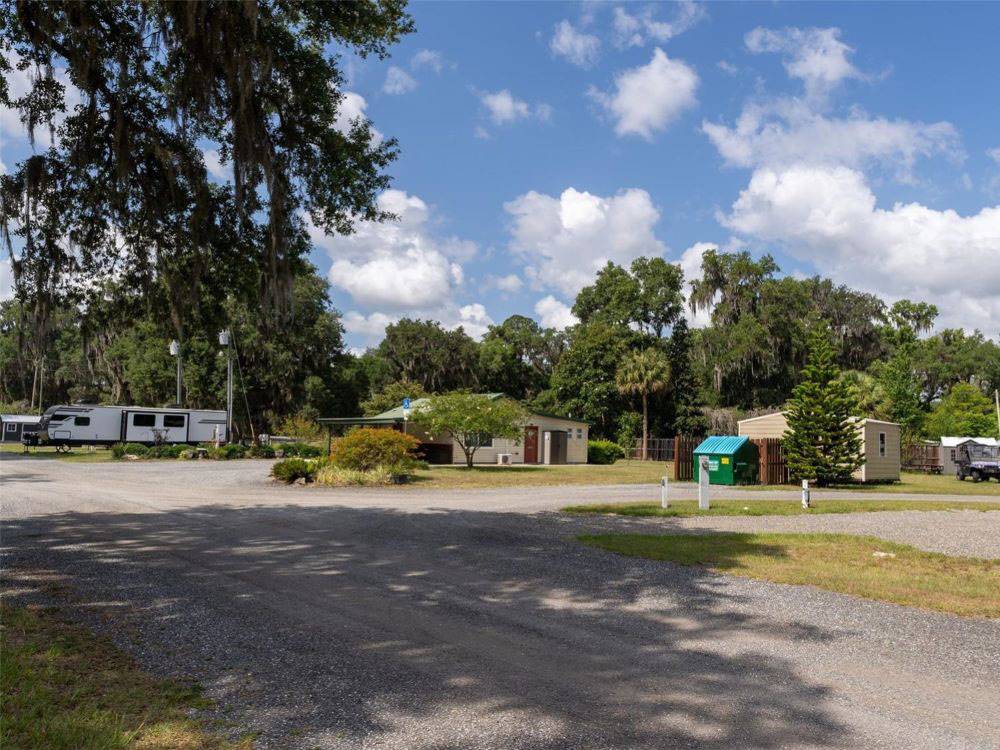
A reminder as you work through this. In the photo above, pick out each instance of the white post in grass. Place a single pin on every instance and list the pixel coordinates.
(664, 500)
(703, 500)
(805, 494)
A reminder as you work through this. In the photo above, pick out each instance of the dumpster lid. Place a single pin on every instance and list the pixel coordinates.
(725, 445)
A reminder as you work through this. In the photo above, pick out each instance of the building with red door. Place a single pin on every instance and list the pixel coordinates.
(546, 439)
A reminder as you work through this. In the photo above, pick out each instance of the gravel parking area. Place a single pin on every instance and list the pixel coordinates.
(408, 620)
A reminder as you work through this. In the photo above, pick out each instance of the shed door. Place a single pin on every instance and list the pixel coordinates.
(531, 445)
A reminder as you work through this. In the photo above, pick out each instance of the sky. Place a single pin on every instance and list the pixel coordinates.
(540, 140)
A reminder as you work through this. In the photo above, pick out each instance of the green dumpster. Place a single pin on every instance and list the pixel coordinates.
(731, 459)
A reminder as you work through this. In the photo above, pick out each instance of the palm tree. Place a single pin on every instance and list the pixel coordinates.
(644, 373)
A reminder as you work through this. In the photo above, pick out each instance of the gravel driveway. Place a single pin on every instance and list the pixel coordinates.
(452, 620)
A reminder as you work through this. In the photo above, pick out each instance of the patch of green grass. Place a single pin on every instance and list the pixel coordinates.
(65, 688)
(909, 483)
(620, 472)
(860, 566)
(75, 455)
(751, 507)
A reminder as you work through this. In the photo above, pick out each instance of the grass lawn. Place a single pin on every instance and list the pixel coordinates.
(621, 472)
(65, 688)
(76, 455)
(861, 566)
(910, 482)
(689, 508)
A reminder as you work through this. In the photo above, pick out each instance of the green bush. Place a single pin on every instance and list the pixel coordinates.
(226, 452)
(260, 451)
(165, 451)
(603, 452)
(369, 448)
(120, 450)
(300, 450)
(338, 476)
(289, 469)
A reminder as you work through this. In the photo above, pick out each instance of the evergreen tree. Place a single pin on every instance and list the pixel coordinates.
(822, 443)
(902, 395)
(688, 419)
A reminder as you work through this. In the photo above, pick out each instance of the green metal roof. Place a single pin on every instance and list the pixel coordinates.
(724, 445)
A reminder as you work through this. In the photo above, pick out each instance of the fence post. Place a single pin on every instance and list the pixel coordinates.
(677, 458)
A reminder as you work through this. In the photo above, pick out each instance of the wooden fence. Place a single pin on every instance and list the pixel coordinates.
(657, 449)
(921, 457)
(684, 458)
(771, 465)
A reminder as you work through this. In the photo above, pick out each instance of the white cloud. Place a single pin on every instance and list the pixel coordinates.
(481, 133)
(370, 327)
(6, 280)
(398, 265)
(19, 83)
(817, 57)
(994, 154)
(727, 67)
(554, 314)
(788, 131)
(214, 165)
(511, 283)
(564, 241)
(690, 263)
(828, 216)
(575, 46)
(473, 319)
(427, 58)
(398, 81)
(648, 98)
(634, 30)
(352, 108)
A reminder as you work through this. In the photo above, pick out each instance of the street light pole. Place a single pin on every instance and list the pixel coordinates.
(224, 341)
(175, 349)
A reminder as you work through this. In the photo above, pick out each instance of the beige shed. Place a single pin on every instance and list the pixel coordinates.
(880, 443)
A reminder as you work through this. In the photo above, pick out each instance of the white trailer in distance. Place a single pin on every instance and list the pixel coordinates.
(82, 424)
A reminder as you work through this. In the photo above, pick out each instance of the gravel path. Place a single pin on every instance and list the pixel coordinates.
(341, 620)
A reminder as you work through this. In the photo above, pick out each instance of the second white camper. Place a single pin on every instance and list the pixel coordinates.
(81, 424)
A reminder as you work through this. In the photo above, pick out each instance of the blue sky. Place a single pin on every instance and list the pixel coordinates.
(538, 140)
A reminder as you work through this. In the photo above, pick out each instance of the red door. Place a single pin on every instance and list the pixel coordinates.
(531, 445)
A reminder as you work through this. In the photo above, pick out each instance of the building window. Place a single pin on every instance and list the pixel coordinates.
(953, 455)
(144, 420)
(881, 444)
(579, 433)
(480, 440)
(82, 421)
(173, 420)
(11, 427)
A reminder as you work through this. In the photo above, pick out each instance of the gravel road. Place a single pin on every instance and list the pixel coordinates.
(473, 620)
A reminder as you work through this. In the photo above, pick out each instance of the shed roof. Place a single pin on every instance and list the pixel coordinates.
(725, 445)
(20, 418)
(951, 442)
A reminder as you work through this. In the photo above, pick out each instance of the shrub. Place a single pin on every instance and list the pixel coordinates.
(603, 452)
(226, 452)
(120, 450)
(289, 469)
(300, 450)
(301, 427)
(338, 476)
(369, 448)
(165, 451)
(260, 451)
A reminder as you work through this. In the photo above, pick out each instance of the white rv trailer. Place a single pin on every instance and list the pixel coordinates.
(81, 424)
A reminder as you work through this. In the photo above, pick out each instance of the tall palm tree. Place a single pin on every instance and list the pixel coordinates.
(644, 373)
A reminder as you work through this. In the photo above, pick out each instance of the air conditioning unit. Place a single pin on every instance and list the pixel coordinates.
(504, 459)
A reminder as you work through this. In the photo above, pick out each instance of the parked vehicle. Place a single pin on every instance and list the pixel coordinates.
(64, 426)
(977, 461)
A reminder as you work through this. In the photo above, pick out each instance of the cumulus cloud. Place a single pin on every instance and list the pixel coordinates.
(690, 263)
(565, 240)
(504, 108)
(788, 131)
(352, 108)
(398, 81)
(397, 265)
(427, 58)
(473, 319)
(554, 314)
(634, 30)
(648, 98)
(828, 216)
(214, 165)
(994, 154)
(575, 46)
(511, 283)
(817, 57)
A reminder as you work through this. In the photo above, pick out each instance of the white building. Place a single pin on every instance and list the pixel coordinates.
(949, 447)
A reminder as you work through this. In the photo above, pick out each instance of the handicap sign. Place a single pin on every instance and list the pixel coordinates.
(406, 408)
(406, 403)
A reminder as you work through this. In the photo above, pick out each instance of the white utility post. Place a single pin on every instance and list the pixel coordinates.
(175, 350)
(224, 341)
(805, 493)
(664, 499)
(703, 499)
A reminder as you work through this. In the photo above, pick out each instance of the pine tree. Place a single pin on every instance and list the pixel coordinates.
(822, 443)
(688, 419)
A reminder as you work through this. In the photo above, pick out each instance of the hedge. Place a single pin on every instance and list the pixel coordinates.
(604, 452)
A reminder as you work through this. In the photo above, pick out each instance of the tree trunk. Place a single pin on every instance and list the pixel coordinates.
(645, 424)
(468, 458)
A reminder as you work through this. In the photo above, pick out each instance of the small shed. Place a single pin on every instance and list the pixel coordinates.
(949, 450)
(13, 426)
(731, 459)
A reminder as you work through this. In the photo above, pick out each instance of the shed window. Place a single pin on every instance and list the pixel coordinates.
(11, 427)
(480, 440)
(173, 420)
(82, 421)
(953, 455)
(143, 420)
(881, 444)
(579, 433)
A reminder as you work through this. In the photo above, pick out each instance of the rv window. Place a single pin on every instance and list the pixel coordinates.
(173, 420)
(59, 417)
(143, 420)
(881, 444)
(82, 421)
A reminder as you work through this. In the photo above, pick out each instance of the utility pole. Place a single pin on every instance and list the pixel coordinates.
(996, 400)
(224, 340)
(175, 349)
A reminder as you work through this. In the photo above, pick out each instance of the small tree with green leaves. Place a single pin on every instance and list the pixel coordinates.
(644, 373)
(470, 419)
(822, 443)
